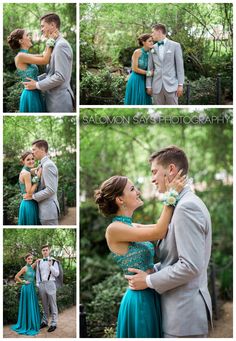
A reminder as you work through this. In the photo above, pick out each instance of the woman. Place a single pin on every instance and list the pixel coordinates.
(28, 322)
(19, 39)
(28, 212)
(140, 311)
(136, 86)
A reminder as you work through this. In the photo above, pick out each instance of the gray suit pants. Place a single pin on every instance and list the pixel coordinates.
(165, 98)
(47, 292)
(49, 222)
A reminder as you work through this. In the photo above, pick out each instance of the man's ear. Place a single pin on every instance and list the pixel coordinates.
(172, 169)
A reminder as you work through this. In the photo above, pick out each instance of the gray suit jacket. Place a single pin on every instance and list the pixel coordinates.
(47, 191)
(58, 93)
(182, 277)
(168, 72)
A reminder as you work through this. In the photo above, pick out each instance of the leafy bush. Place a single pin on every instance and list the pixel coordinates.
(89, 56)
(219, 202)
(103, 310)
(102, 88)
(202, 91)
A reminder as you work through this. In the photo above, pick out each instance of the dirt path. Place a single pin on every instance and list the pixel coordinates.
(223, 328)
(66, 327)
(70, 218)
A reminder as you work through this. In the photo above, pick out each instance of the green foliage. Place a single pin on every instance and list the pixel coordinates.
(18, 242)
(102, 87)
(10, 303)
(102, 311)
(19, 133)
(202, 90)
(205, 32)
(27, 16)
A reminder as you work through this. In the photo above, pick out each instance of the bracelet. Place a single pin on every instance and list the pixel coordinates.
(171, 197)
(50, 42)
(35, 180)
(148, 73)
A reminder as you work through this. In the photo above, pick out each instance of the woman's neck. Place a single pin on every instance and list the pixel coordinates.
(125, 213)
(24, 48)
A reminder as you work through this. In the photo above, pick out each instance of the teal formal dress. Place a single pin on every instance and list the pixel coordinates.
(28, 322)
(136, 86)
(30, 100)
(140, 311)
(28, 211)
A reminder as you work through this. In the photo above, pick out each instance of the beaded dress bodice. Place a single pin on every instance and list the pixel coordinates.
(140, 255)
(31, 71)
(29, 274)
(143, 60)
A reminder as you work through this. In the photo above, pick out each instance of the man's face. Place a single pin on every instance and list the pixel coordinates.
(45, 252)
(47, 28)
(38, 153)
(156, 35)
(158, 173)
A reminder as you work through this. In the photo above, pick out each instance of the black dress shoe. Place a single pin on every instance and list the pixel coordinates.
(51, 329)
(43, 325)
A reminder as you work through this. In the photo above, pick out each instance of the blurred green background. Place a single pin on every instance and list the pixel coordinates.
(107, 149)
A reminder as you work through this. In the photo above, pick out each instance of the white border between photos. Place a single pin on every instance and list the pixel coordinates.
(77, 137)
(1, 169)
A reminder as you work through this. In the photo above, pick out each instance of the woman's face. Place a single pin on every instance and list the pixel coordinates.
(148, 44)
(25, 41)
(29, 260)
(29, 161)
(131, 196)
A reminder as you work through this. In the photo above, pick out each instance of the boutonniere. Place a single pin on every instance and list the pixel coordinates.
(153, 51)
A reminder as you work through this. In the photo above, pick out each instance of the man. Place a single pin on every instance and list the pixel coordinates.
(181, 275)
(47, 190)
(166, 60)
(47, 272)
(56, 81)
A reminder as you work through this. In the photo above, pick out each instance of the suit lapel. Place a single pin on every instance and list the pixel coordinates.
(184, 191)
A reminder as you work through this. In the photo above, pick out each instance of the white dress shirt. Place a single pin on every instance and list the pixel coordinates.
(45, 270)
(161, 49)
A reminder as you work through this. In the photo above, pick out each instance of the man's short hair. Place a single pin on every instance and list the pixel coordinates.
(161, 27)
(45, 246)
(41, 144)
(52, 17)
(171, 154)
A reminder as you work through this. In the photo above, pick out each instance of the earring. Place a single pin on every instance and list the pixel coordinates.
(123, 205)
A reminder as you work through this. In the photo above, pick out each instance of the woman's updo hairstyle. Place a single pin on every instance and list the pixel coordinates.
(28, 255)
(14, 38)
(143, 37)
(105, 196)
(24, 156)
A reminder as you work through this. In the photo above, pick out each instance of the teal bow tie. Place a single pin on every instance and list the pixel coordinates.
(45, 259)
(160, 43)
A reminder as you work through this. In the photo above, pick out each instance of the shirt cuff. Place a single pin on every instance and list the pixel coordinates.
(33, 193)
(37, 86)
(149, 283)
(178, 84)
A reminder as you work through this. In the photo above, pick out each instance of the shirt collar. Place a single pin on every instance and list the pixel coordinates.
(44, 159)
